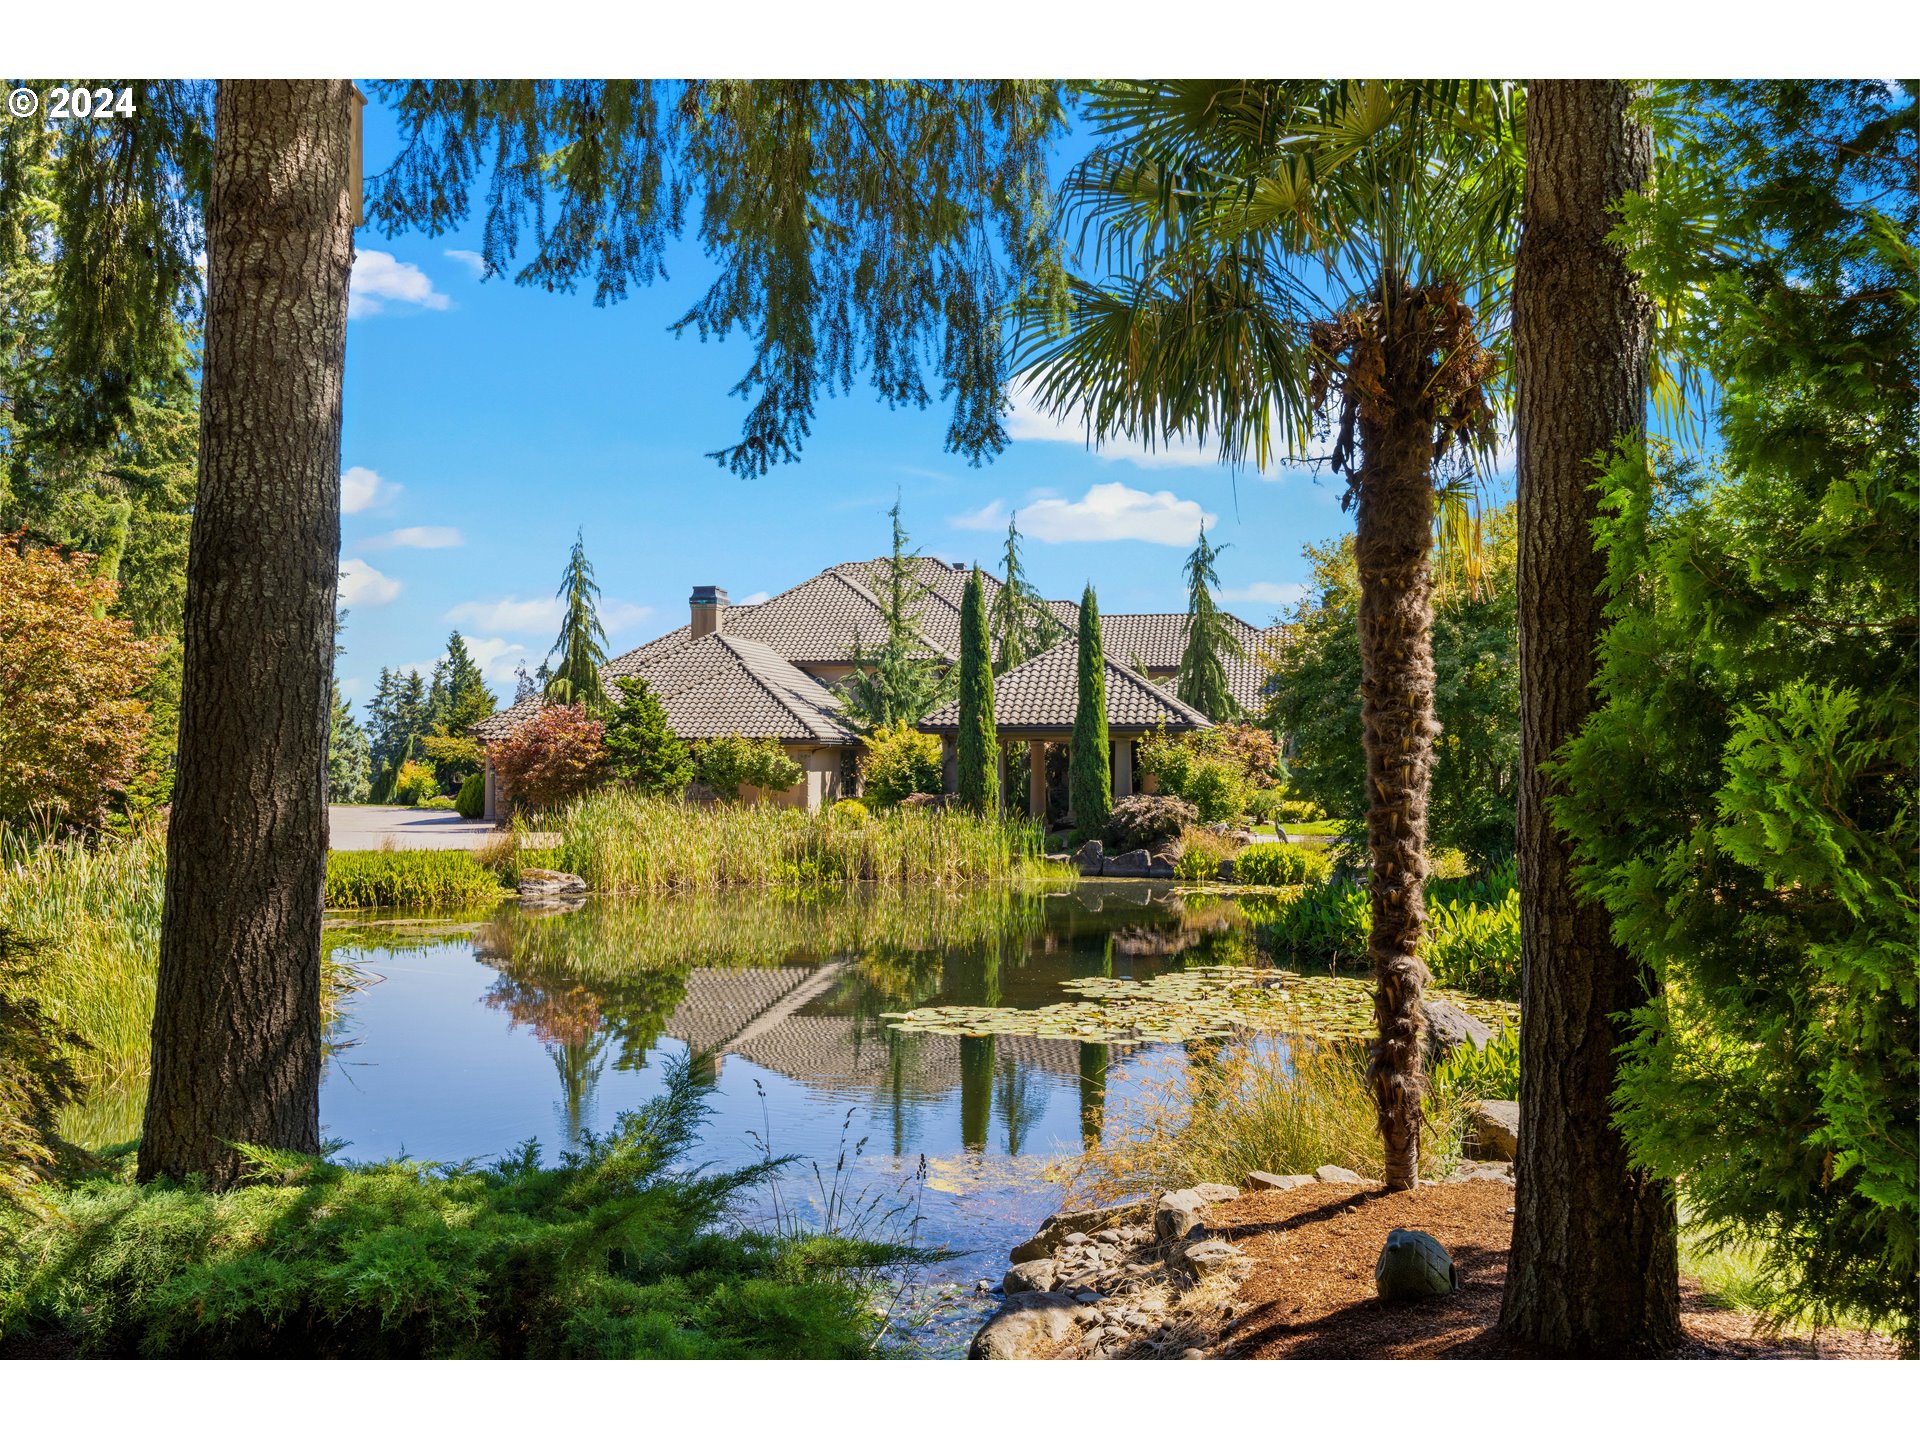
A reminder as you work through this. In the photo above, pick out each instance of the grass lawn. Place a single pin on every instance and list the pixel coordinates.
(1313, 827)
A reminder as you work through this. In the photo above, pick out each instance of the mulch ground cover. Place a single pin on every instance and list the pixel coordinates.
(1310, 1295)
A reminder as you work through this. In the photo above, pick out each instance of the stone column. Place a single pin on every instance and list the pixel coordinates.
(1122, 769)
(1000, 752)
(492, 812)
(949, 765)
(1037, 780)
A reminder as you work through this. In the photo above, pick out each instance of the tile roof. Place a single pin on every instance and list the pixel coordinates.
(718, 685)
(1043, 694)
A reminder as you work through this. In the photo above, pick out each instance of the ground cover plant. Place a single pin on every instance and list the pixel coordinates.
(617, 1251)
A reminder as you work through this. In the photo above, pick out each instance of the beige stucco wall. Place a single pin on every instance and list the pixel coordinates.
(819, 785)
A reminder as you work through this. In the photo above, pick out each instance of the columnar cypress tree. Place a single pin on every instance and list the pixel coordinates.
(979, 770)
(1089, 781)
(1210, 643)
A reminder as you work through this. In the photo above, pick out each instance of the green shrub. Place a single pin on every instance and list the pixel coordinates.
(1300, 812)
(726, 763)
(618, 1251)
(899, 761)
(38, 1074)
(1201, 852)
(407, 879)
(1282, 865)
(471, 802)
(1324, 924)
(1214, 790)
(1475, 948)
(1467, 1075)
(439, 802)
(642, 750)
(851, 811)
(414, 784)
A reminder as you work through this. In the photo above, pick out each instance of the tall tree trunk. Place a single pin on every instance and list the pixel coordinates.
(236, 1026)
(1593, 1269)
(1393, 539)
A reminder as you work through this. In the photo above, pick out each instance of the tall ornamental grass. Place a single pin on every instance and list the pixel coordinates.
(409, 880)
(626, 843)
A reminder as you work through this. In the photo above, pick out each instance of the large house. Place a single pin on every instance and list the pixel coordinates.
(773, 671)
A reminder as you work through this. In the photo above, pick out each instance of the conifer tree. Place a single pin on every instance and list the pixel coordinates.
(1022, 625)
(458, 698)
(1202, 682)
(979, 768)
(900, 679)
(575, 679)
(1089, 780)
(642, 749)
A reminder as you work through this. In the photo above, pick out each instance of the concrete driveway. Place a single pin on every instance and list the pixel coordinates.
(371, 827)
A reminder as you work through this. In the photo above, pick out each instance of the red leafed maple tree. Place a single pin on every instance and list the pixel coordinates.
(551, 758)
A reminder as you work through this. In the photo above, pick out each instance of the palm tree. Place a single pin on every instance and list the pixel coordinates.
(1298, 259)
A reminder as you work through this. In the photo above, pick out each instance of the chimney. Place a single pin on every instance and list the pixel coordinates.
(708, 610)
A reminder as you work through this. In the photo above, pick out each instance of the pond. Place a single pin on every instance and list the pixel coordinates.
(471, 1037)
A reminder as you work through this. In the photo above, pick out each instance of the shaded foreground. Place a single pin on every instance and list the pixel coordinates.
(1310, 1293)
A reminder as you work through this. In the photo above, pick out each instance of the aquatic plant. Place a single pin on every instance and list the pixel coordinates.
(1282, 865)
(635, 844)
(408, 879)
(617, 1251)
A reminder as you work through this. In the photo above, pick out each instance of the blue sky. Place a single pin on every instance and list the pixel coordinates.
(484, 423)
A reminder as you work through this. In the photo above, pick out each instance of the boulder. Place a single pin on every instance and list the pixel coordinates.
(1226, 871)
(1148, 822)
(1128, 865)
(1090, 857)
(1208, 1257)
(542, 884)
(1448, 1027)
(1496, 1129)
(1056, 1227)
(1337, 1175)
(1266, 1180)
(1161, 867)
(1412, 1266)
(1031, 1276)
(1177, 1216)
(1215, 1194)
(1029, 1327)
(1500, 1170)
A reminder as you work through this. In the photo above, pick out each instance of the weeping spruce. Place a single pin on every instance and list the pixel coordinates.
(1089, 782)
(979, 776)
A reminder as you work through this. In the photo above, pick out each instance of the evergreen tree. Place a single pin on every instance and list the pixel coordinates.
(1202, 681)
(1022, 624)
(458, 698)
(575, 679)
(642, 749)
(349, 766)
(979, 745)
(1089, 776)
(524, 685)
(900, 679)
(1743, 800)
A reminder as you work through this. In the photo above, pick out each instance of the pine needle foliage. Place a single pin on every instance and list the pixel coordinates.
(899, 680)
(1089, 780)
(581, 647)
(1022, 625)
(618, 1251)
(979, 744)
(1202, 682)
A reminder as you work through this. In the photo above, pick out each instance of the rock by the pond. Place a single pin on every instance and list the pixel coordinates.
(1267, 1180)
(541, 883)
(1214, 1193)
(1448, 1027)
(1207, 1257)
(1412, 1266)
(1226, 871)
(1029, 1326)
(1056, 1227)
(1161, 867)
(1496, 1129)
(1129, 865)
(1337, 1175)
(1090, 858)
(1028, 1276)
(1177, 1216)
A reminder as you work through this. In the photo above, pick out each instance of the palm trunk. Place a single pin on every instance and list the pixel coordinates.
(1392, 544)
(236, 1026)
(1593, 1269)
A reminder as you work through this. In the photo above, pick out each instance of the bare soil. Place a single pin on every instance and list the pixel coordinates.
(1310, 1294)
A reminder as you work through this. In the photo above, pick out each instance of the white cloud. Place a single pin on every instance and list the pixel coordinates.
(497, 659)
(472, 259)
(1266, 592)
(618, 615)
(361, 584)
(521, 617)
(351, 687)
(379, 280)
(1113, 511)
(418, 537)
(1027, 421)
(758, 597)
(362, 489)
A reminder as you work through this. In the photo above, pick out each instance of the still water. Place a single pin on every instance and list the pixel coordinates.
(472, 1037)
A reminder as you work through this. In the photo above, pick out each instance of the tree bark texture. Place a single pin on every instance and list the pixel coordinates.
(1393, 539)
(236, 1029)
(1593, 1269)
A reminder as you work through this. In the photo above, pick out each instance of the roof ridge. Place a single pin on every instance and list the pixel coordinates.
(864, 593)
(778, 698)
